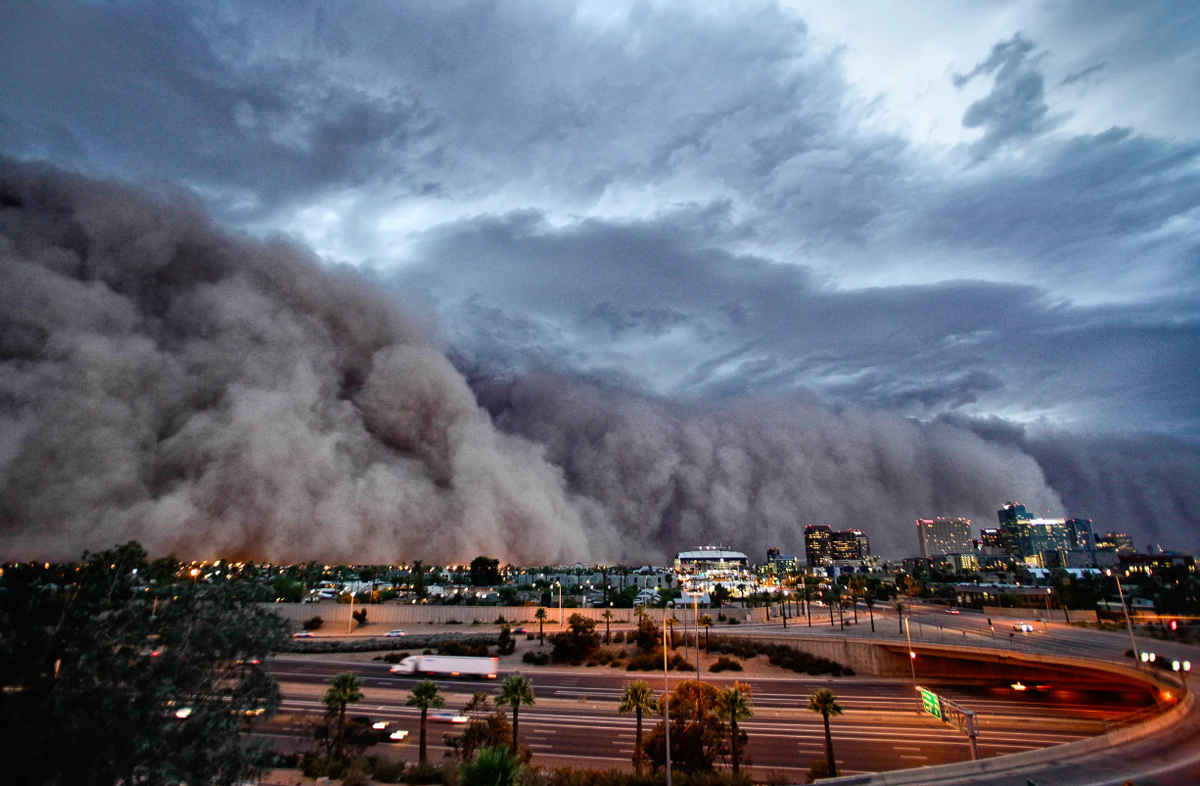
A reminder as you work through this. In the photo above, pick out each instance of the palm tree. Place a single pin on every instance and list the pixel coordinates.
(540, 616)
(491, 767)
(869, 599)
(639, 612)
(671, 622)
(515, 691)
(735, 703)
(637, 698)
(900, 615)
(705, 622)
(425, 695)
(345, 689)
(608, 615)
(824, 702)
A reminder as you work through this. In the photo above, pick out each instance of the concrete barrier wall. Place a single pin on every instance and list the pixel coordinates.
(1034, 615)
(404, 614)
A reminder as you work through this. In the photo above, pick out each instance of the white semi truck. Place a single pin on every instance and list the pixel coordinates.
(448, 666)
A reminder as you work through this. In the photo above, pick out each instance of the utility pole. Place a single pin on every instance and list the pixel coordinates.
(912, 663)
(666, 693)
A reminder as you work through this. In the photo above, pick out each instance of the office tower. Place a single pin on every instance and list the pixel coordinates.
(944, 536)
(816, 544)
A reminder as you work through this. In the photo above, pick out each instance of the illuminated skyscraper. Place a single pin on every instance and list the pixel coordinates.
(944, 536)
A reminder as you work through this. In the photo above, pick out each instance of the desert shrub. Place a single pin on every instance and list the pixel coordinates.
(734, 621)
(458, 648)
(644, 661)
(387, 770)
(453, 622)
(680, 663)
(818, 769)
(536, 658)
(423, 774)
(578, 641)
(313, 623)
(848, 672)
(360, 616)
(355, 775)
(618, 637)
(725, 663)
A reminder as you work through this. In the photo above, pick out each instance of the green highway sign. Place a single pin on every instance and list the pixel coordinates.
(930, 703)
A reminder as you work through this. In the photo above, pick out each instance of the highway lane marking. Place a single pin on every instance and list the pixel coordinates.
(921, 758)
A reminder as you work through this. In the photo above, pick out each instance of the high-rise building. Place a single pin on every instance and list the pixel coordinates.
(944, 536)
(1116, 541)
(844, 546)
(864, 543)
(1042, 542)
(772, 554)
(990, 538)
(1011, 516)
(817, 549)
(1080, 532)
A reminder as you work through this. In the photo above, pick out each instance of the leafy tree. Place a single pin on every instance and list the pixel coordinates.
(425, 696)
(345, 690)
(287, 589)
(721, 595)
(417, 579)
(104, 680)
(735, 703)
(698, 734)
(824, 702)
(485, 572)
(488, 728)
(637, 698)
(648, 635)
(540, 616)
(506, 643)
(579, 640)
(360, 617)
(516, 691)
(492, 767)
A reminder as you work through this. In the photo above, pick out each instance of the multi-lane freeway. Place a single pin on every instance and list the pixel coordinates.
(576, 720)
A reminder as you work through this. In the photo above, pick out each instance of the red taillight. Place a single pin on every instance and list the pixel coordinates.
(155, 654)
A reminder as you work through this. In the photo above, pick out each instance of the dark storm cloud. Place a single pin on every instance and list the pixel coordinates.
(1015, 107)
(687, 201)
(726, 325)
(1147, 484)
(210, 395)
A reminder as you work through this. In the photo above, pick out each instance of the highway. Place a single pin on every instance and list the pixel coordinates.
(576, 721)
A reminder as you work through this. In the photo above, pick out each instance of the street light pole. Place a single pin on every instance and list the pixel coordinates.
(912, 663)
(1137, 656)
(666, 694)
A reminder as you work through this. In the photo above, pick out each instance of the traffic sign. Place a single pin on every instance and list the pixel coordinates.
(931, 703)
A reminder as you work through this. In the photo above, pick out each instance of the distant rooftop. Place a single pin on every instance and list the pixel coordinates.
(711, 554)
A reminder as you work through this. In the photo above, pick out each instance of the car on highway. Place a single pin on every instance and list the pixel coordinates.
(379, 725)
(304, 634)
(953, 611)
(392, 634)
(518, 631)
(1024, 627)
(448, 716)
(398, 735)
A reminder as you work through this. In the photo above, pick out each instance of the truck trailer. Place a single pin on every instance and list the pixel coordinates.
(448, 666)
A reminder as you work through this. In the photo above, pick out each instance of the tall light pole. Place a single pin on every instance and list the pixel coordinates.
(696, 619)
(560, 610)
(1137, 656)
(912, 663)
(666, 692)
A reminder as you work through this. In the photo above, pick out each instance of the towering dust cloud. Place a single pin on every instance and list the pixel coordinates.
(210, 395)
(214, 395)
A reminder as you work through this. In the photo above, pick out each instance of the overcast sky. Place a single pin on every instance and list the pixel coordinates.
(967, 209)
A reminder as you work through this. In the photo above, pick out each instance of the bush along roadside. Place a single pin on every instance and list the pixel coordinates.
(781, 655)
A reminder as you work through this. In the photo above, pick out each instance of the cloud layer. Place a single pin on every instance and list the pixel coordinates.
(956, 216)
